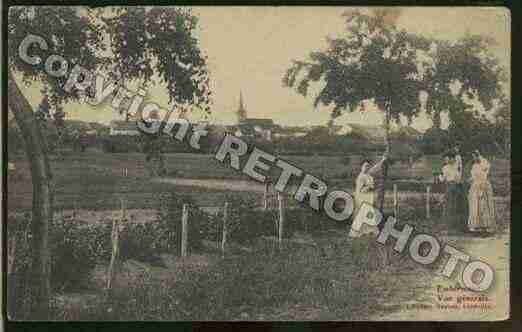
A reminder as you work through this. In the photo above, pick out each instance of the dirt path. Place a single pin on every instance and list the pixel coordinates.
(419, 300)
(218, 184)
(256, 187)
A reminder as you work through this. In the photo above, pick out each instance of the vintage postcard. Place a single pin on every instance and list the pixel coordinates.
(258, 163)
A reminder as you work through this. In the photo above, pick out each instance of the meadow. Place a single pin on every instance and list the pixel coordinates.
(95, 180)
(319, 274)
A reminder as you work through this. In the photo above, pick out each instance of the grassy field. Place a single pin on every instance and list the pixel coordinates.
(297, 283)
(95, 180)
(325, 276)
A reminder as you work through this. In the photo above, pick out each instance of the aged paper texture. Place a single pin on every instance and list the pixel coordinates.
(258, 163)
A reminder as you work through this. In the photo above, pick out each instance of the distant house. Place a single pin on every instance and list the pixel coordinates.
(125, 128)
(369, 132)
(256, 128)
(244, 131)
(314, 127)
(251, 127)
(375, 134)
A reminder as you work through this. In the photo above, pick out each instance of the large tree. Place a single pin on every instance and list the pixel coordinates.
(132, 43)
(374, 62)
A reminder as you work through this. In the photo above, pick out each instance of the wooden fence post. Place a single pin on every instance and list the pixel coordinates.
(115, 237)
(184, 230)
(265, 197)
(395, 202)
(428, 190)
(281, 219)
(225, 221)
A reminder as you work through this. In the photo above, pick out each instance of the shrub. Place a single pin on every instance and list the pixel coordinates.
(142, 241)
(170, 209)
(74, 248)
(73, 253)
(258, 285)
(307, 220)
(121, 144)
(247, 222)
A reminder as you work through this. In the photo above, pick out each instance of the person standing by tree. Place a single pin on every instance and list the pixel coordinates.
(481, 200)
(450, 176)
(458, 163)
(462, 210)
(365, 193)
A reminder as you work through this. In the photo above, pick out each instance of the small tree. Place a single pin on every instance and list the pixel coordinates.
(374, 61)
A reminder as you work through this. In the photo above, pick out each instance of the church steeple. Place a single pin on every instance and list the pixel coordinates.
(241, 111)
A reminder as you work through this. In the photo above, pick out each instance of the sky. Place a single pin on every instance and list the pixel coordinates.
(250, 48)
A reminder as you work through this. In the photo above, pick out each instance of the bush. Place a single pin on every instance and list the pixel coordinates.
(307, 220)
(73, 253)
(142, 241)
(245, 224)
(121, 144)
(170, 209)
(331, 278)
(75, 249)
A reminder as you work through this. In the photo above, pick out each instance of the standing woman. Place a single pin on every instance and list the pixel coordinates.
(450, 176)
(481, 200)
(462, 206)
(364, 193)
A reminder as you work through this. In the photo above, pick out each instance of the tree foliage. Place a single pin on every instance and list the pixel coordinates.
(159, 41)
(374, 61)
(459, 73)
(68, 32)
(128, 43)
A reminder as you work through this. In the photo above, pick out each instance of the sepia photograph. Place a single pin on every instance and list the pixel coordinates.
(257, 163)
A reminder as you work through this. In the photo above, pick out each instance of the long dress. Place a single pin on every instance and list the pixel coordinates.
(481, 199)
(461, 199)
(364, 193)
(449, 176)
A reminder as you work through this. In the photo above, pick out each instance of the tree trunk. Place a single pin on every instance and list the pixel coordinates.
(42, 212)
(384, 169)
